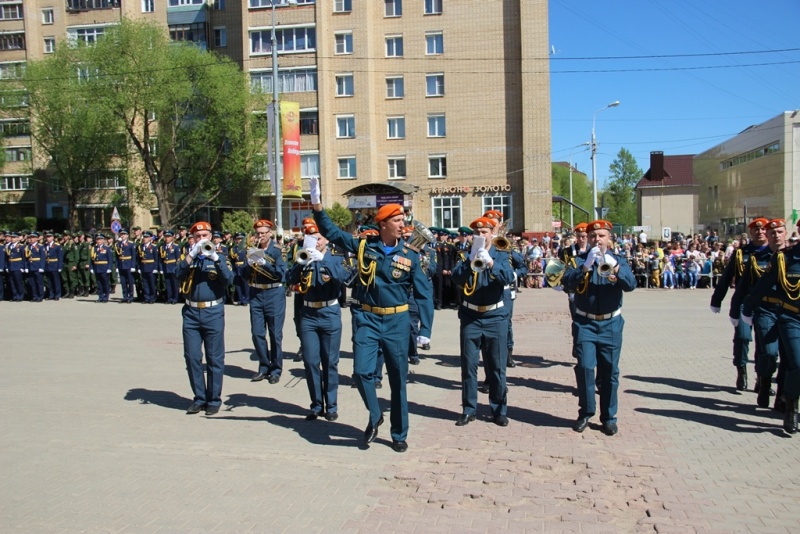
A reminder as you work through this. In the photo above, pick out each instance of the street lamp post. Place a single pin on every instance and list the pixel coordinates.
(571, 201)
(276, 128)
(594, 157)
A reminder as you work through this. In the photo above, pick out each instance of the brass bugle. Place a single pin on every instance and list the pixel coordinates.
(554, 271)
(302, 257)
(501, 242)
(207, 247)
(604, 269)
(478, 265)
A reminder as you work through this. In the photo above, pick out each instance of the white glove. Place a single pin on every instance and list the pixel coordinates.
(558, 288)
(610, 260)
(422, 340)
(213, 256)
(747, 319)
(59, 270)
(316, 195)
(252, 260)
(41, 270)
(591, 257)
(196, 249)
(715, 309)
(483, 255)
(734, 321)
(315, 255)
(24, 270)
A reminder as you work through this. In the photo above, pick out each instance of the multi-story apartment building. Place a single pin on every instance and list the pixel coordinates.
(442, 105)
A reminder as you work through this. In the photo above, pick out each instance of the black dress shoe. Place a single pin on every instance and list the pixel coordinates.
(331, 416)
(371, 432)
(195, 407)
(258, 377)
(501, 420)
(414, 360)
(464, 419)
(212, 410)
(399, 446)
(426, 346)
(273, 379)
(511, 363)
(581, 424)
(609, 429)
(484, 388)
(378, 384)
(312, 416)
(298, 357)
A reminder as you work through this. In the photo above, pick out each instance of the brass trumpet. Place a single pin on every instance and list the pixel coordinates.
(501, 242)
(477, 265)
(420, 237)
(554, 271)
(604, 269)
(207, 247)
(302, 256)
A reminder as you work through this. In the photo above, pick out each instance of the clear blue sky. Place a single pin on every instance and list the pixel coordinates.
(672, 109)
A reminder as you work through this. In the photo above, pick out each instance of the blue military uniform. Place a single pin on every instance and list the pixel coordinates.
(36, 260)
(238, 256)
(598, 332)
(3, 269)
(319, 284)
(54, 257)
(268, 311)
(204, 284)
(385, 274)
(17, 266)
(148, 264)
(100, 265)
(780, 286)
(126, 265)
(484, 317)
(170, 255)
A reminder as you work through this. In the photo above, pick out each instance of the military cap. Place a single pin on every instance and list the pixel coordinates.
(238, 235)
(465, 230)
(216, 234)
(99, 236)
(453, 234)
(168, 233)
(311, 229)
(67, 232)
(51, 234)
(147, 233)
(387, 211)
(494, 214)
(308, 220)
(123, 231)
(59, 236)
(758, 222)
(13, 234)
(33, 234)
(599, 224)
(200, 226)
(369, 232)
(776, 223)
(134, 228)
(482, 222)
(182, 227)
(263, 223)
(581, 227)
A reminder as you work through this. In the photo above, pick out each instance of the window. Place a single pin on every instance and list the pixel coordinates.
(347, 168)
(501, 203)
(104, 180)
(12, 71)
(309, 122)
(87, 35)
(434, 44)
(344, 43)
(55, 184)
(396, 128)
(288, 40)
(309, 166)
(18, 153)
(178, 3)
(15, 127)
(433, 7)
(189, 33)
(397, 168)
(345, 126)
(344, 84)
(85, 5)
(393, 8)
(342, 6)
(447, 212)
(394, 46)
(12, 11)
(148, 6)
(49, 45)
(219, 5)
(300, 80)
(14, 99)
(220, 37)
(437, 166)
(47, 16)
(436, 127)
(15, 183)
(268, 3)
(434, 85)
(395, 87)
(12, 41)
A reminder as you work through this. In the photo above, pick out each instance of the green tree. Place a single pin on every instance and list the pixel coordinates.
(187, 113)
(237, 221)
(340, 215)
(581, 192)
(76, 135)
(620, 192)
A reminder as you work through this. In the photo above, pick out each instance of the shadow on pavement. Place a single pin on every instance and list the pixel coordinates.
(238, 400)
(234, 371)
(707, 403)
(434, 412)
(717, 420)
(679, 383)
(532, 417)
(538, 362)
(415, 377)
(540, 385)
(319, 432)
(165, 399)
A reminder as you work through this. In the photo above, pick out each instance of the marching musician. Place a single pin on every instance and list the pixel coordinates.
(126, 264)
(484, 317)
(779, 285)
(386, 269)
(598, 278)
(170, 254)
(317, 279)
(205, 277)
(265, 273)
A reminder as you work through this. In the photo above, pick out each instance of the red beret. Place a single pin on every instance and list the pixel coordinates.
(308, 220)
(494, 214)
(311, 229)
(599, 224)
(261, 223)
(776, 223)
(368, 233)
(200, 226)
(581, 227)
(388, 211)
(760, 222)
(482, 222)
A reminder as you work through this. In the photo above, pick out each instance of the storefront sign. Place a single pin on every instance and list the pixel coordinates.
(396, 198)
(504, 188)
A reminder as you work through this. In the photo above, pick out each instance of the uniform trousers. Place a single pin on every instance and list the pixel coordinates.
(267, 313)
(171, 287)
(321, 335)
(389, 333)
(126, 281)
(489, 335)
(789, 328)
(54, 281)
(413, 315)
(205, 329)
(765, 326)
(17, 285)
(742, 336)
(599, 345)
(103, 286)
(242, 289)
(149, 286)
(36, 281)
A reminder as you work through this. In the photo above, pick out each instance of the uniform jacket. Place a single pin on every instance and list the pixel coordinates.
(759, 261)
(319, 280)
(784, 268)
(100, 260)
(126, 255)
(148, 260)
(485, 288)
(54, 257)
(35, 257)
(272, 272)
(15, 256)
(733, 270)
(593, 293)
(204, 280)
(169, 255)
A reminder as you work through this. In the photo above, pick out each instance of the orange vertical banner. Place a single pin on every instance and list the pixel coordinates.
(290, 128)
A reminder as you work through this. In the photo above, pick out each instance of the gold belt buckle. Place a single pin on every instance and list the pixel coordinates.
(201, 305)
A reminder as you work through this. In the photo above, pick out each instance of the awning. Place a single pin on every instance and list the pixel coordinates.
(382, 189)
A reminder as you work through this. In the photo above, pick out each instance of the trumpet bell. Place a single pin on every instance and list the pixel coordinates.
(207, 247)
(604, 269)
(302, 257)
(420, 237)
(478, 265)
(554, 271)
